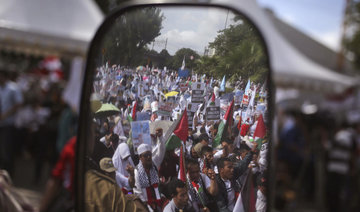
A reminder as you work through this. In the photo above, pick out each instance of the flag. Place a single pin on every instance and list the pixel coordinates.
(182, 171)
(211, 81)
(183, 64)
(246, 200)
(224, 125)
(247, 88)
(260, 131)
(179, 133)
(222, 85)
(213, 98)
(132, 114)
(252, 100)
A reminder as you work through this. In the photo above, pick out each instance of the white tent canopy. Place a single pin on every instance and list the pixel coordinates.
(48, 27)
(291, 68)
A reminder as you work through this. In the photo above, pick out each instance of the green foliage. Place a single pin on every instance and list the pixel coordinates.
(107, 6)
(130, 34)
(165, 59)
(177, 59)
(238, 52)
(352, 44)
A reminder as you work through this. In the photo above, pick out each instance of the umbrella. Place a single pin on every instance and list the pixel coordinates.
(107, 110)
(165, 125)
(172, 93)
(140, 68)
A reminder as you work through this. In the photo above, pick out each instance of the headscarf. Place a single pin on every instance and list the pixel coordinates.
(121, 152)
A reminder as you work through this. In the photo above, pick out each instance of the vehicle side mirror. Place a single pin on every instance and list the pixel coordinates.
(147, 64)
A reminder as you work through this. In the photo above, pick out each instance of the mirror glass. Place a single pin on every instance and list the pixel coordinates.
(179, 93)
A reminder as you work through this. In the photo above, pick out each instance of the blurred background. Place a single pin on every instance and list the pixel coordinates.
(43, 46)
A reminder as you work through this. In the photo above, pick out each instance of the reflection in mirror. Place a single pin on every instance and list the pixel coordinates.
(179, 101)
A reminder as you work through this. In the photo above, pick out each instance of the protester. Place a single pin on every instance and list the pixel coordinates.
(227, 180)
(124, 168)
(157, 156)
(202, 188)
(179, 197)
(146, 175)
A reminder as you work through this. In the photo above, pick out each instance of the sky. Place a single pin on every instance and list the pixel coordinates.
(195, 28)
(191, 28)
(320, 19)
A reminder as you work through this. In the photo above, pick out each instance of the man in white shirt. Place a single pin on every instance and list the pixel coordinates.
(180, 198)
(146, 173)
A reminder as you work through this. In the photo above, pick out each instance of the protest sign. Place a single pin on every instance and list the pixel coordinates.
(245, 100)
(165, 108)
(224, 104)
(198, 90)
(140, 133)
(191, 109)
(213, 110)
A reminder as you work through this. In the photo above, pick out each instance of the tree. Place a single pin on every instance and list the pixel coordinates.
(238, 52)
(108, 5)
(352, 42)
(126, 41)
(190, 57)
(165, 59)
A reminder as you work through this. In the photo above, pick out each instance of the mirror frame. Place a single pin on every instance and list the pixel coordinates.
(237, 6)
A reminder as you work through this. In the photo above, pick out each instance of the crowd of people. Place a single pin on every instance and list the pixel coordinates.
(220, 164)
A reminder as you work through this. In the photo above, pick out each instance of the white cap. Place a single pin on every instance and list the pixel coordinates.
(143, 148)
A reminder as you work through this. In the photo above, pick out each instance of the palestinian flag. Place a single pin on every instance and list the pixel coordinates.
(246, 200)
(224, 125)
(132, 115)
(182, 170)
(178, 133)
(199, 192)
(260, 131)
(212, 101)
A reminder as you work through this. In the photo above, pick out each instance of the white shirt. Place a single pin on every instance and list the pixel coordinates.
(158, 153)
(260, 202)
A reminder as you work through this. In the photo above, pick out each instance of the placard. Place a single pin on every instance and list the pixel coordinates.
(224, 104)
(198, 90)
(165, 108)
(191, 109)
(140, 132)
(213, 110)
(245, 100)
(212, 113)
